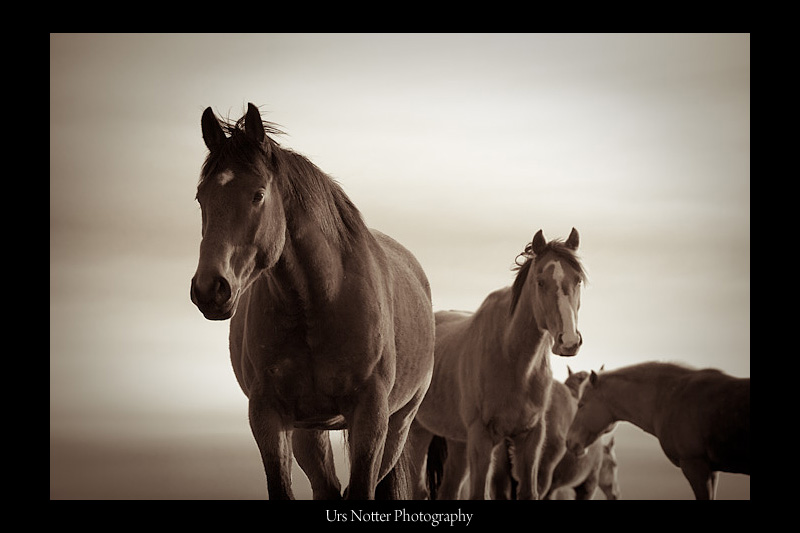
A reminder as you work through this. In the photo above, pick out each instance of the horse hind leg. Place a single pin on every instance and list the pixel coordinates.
(312, 449)
(399, 463)
(418, 443)
(701, 478)
(455, 471)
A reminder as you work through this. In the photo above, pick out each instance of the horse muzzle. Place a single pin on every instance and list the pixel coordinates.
(214, 297)
(567, 345)
(576, 448)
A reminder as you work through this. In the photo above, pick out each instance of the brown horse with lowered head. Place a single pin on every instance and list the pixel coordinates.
(331, 323)
(700, 417)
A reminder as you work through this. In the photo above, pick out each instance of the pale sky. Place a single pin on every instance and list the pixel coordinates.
(459, 146)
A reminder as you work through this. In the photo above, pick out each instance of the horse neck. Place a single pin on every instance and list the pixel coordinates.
(313, 264)
(633, 399)
(524, 341)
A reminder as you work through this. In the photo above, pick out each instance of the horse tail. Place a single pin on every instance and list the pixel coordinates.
(437, 454)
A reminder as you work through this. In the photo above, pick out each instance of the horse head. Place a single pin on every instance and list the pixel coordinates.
(554, 276)
(243, 220)
(592, 419)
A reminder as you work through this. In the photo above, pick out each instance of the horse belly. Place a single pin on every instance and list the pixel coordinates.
(440, 410)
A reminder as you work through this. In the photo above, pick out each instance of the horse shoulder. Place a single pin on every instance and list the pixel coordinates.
(560, 410)
(401, 262)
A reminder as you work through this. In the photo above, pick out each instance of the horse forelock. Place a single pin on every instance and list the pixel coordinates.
(526, 259)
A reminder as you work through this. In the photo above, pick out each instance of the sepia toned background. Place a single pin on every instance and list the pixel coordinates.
(459, 146)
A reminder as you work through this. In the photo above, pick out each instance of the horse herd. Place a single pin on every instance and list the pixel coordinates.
(332, 327)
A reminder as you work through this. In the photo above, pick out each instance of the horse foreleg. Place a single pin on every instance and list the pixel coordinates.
(702, 479)
(455, 470)
(274, 443)
(586, 490)
(479, 453)
(528, 449)
(312, 449)
(501, 481)
(553, 451)
(368, 423)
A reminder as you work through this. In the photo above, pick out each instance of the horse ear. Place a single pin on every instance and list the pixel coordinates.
(212, 131)
(602, 367)
(573, 240)
(253, 125)
(569, 370)
(538, 243)
(593, 377)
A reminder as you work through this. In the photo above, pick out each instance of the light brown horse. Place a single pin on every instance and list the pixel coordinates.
(700, 417)
(558, 467)
(331, 323)
(492, 373)
(579, 478)
(597, 468)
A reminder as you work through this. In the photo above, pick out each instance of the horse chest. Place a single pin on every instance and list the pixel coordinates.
(303, 379)
(516, 407)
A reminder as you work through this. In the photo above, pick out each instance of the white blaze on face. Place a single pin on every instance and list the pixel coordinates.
(569, 318)
(225, 177)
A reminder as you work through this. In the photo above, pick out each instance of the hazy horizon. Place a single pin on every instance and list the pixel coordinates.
(459, 146)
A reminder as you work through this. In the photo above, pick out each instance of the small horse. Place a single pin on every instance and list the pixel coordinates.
(331, 323)
(602, 474)
(558, 468)
(492, 376)
(609, 472)
(596, 468)
(700, 417)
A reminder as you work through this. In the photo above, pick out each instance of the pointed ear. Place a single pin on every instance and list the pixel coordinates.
(212, 131)
(593, 377)
(253, 125)
(569, 370)
(573, 240)
(602, 367)
(538, 243)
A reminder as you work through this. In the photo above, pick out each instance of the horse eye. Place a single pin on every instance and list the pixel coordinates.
(258, 196)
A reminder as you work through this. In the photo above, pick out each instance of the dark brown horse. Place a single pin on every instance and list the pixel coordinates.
(331, 323)
(700, 417)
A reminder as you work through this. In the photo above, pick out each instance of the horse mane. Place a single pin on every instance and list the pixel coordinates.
(556, 247)
(301, 182)
(659, 369)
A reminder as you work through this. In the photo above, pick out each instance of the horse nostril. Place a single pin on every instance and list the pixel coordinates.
(222, 290)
